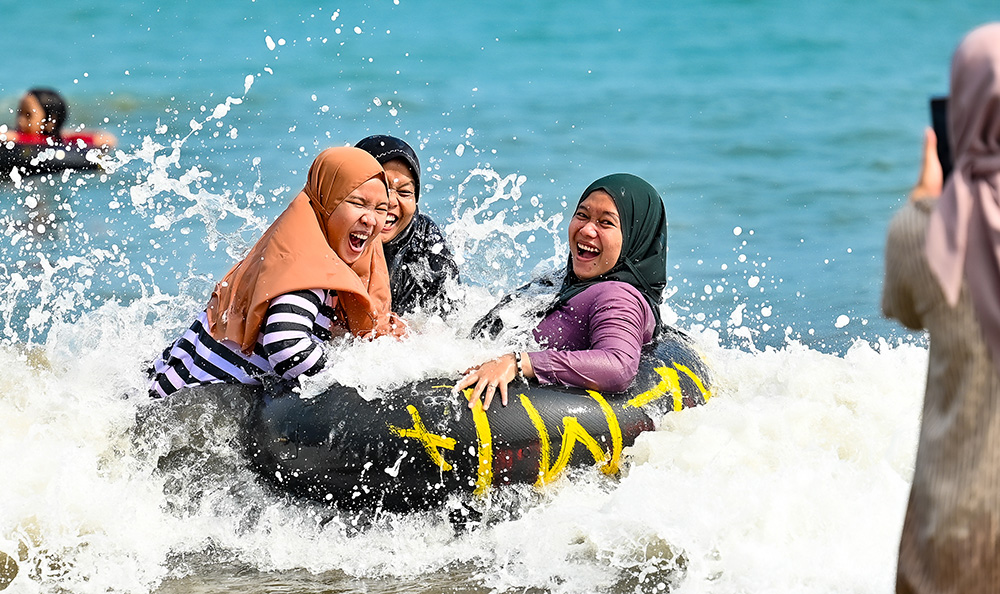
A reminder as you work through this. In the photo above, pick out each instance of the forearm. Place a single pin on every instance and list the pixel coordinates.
(287, 337)
(604, 371)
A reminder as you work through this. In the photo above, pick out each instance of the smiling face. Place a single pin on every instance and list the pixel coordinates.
(356, 221)
(31, 117)
(402, 198)
(595, 236)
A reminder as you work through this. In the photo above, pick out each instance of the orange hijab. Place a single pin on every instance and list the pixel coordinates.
(294, 254)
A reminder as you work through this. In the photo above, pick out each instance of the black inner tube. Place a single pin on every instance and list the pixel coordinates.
(38, 159)
(415, 446)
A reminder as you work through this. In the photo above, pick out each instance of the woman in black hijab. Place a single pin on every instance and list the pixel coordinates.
(420, 265)
(607, 308)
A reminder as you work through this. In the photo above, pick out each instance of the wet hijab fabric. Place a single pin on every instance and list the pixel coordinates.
(386, 148)
(963, 235)
(295, 254)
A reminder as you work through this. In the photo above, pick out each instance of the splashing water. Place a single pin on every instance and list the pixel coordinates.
(800, 456)
(488, 244)
(60, 263)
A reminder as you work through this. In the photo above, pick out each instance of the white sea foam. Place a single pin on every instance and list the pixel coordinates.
(800, 456)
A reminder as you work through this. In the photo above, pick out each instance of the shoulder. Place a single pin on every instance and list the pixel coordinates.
(420, 234)
(10, 135)
(614, 294)
(424, 219)
(427, 227)
(23, 138)
(913, 216)
(431, 243)
(310, 298)
(612, 289)
(909, 225)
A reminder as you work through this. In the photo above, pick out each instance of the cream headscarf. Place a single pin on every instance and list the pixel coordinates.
(295, 254)
(963, 236)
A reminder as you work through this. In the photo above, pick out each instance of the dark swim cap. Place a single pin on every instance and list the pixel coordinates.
(386, 148)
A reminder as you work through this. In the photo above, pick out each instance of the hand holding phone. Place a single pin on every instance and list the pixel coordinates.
(931, 180)
(939, 121)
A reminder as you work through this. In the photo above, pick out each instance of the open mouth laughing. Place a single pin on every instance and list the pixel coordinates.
(586, 253)
(358, 241)
(390, 223)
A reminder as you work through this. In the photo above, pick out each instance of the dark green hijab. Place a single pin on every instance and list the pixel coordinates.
(643, 261)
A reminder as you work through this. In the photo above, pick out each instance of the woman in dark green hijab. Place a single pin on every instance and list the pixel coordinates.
(607, 308)
(643, 263)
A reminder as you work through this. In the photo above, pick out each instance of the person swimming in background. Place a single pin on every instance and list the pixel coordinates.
(41, 117)
(317, 272)
(607, 308)
(420, 265)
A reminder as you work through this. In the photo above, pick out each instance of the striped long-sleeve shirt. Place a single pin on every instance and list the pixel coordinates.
(289, 345)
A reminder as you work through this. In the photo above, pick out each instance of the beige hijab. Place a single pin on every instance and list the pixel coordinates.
(295, 254)
(963, 236)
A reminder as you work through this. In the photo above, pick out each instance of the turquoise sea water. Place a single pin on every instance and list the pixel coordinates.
(782, 136)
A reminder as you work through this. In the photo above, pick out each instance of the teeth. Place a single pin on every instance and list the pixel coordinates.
(391, 219)
(587, 248)
(360, 237)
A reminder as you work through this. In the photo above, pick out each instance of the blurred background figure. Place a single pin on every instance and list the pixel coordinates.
(41, 118)
(942, 274)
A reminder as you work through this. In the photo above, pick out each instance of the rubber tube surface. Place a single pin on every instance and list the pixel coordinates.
(415, 446)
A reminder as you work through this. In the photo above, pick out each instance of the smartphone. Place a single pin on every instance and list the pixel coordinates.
(939, 121)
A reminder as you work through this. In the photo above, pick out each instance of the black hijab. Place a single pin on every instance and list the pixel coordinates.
(643, 261)
(385, 148)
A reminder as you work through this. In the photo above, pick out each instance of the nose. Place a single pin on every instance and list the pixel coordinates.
(393, 198)
(589, 229)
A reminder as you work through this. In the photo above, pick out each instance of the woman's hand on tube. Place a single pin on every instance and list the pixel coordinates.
(488, 378)
(931, 179)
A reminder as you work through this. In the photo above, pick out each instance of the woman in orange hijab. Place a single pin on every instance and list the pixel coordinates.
(317, 272)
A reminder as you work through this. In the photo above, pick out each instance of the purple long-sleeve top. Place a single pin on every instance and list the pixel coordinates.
(595, 340)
